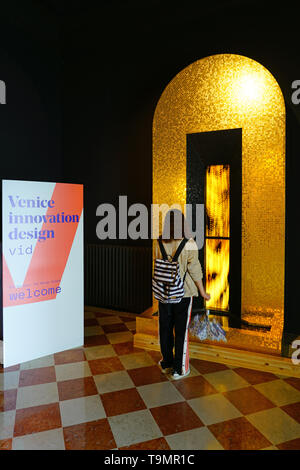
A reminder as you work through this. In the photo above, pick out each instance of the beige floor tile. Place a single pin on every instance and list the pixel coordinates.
(213, 409)
(45, 361)
(131, 428)
(279, 392)
(46, 440)
(159, 394)
(9, 380)
(195, 439)
(132, 361)
(76, 370)
(276, 425)
(98, 352)
(81, 410)
(37, 395)
(131, 325)
(226, 380)
(194, 372)
(93, 330)
(119, 337)
(7, 423)
(113, 381)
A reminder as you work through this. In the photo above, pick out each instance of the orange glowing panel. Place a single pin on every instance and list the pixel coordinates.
(218, 225)
(217, 201)
(217, 271)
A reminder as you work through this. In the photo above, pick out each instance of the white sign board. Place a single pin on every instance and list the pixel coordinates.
(42, 260)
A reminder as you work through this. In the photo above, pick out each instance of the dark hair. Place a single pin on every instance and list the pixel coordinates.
(175, 226)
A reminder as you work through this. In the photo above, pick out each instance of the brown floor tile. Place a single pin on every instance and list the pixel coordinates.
(146, 375)
(5, 444)
(95, 435)
(102, 314)
(154, 444)
(9, 369)
(76, 388)
(8, 400)
(37, 419)
(239, 434)
(255, 377)
(122, 401)
(95, 340)
(90, 322)
(193, 387)
(177, 417)
(205, 367)
(105, 365)
(126, 348)
(114, 328)
(293, 381)
(248, 400)
(293, 410)
(72, 355)
(289, 445)
(41, 375)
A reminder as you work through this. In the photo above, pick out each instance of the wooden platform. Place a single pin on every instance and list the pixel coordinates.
(146, 337)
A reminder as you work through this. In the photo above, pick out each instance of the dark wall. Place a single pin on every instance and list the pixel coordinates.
(119, 57)
(30, 122)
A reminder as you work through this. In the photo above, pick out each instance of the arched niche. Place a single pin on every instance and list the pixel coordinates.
(230, 92)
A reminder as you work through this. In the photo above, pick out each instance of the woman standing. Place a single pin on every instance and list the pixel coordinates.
(176, 316)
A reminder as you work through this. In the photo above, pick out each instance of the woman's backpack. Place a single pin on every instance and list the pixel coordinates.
(167, 284)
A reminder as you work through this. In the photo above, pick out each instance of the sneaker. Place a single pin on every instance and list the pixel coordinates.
(177, 376)
(166, 370)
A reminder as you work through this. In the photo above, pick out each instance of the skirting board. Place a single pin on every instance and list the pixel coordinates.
(234, 357)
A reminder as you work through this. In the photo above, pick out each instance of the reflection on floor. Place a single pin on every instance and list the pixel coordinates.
(110, 395)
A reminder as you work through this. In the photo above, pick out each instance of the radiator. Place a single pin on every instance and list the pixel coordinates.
(118, 277)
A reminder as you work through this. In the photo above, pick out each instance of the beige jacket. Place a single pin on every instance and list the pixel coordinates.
(188, 263)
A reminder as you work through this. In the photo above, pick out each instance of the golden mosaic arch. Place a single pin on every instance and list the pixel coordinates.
(228, 91)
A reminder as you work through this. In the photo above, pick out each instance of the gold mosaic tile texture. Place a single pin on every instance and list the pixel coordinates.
(221, 92)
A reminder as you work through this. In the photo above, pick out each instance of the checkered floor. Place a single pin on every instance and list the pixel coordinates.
(110, 395)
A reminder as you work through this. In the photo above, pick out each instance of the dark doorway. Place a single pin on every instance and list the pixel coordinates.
(222, 149)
